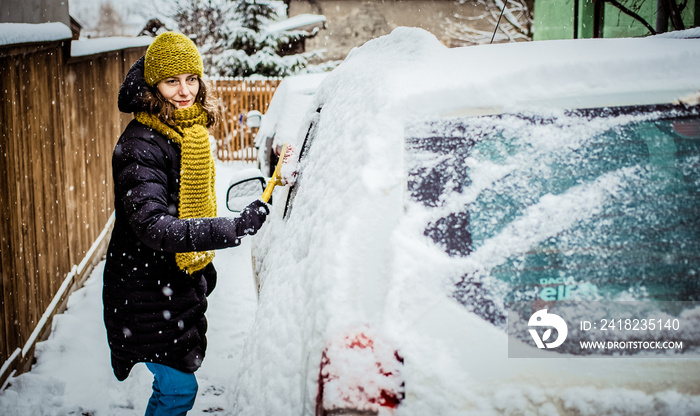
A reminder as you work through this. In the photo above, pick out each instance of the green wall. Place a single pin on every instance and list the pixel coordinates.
(554, 19)
(619, 25)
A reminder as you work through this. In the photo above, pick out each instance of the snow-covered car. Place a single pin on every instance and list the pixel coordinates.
(283, 118)
(463, 220)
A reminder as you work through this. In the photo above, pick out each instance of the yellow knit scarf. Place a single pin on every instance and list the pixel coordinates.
(197, 195)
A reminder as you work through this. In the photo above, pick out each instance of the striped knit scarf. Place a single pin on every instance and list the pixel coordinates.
(197, 195)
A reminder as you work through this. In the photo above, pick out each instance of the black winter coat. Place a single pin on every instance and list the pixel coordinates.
(153, 311)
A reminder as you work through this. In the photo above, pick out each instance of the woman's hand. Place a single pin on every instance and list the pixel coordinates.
(252, 218)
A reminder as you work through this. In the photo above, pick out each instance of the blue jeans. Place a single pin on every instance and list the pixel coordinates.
(173, 391)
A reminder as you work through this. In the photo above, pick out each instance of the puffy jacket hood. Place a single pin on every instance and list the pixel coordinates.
(133, 89)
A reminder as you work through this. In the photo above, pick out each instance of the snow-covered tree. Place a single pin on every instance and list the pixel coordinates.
(200, 19)
(233, 38)
(248, 48)
(513, 17)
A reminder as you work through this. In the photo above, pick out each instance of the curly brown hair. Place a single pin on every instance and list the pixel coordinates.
(158, 105)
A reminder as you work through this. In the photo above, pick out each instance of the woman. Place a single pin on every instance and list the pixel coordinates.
(158, 270)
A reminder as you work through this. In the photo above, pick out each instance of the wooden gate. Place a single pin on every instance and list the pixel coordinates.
(234, 139)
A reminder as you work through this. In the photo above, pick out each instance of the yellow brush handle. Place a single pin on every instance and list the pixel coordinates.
(276, 177)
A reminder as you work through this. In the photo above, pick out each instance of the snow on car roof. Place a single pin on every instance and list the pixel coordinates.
(564, 73)
(86, 47)
(585, 72)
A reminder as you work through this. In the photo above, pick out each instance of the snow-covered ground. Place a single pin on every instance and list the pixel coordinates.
(73, 376)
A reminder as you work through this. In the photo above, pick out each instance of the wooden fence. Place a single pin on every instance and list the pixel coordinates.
(234, 139)
(59, 123)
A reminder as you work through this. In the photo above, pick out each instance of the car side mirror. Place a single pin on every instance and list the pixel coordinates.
(254, 118)
(244, 187)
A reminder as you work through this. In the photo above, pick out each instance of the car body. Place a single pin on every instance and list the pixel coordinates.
(284, 117)
(439, 187)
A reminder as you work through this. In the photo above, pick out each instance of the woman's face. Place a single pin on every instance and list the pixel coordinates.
(180, 90)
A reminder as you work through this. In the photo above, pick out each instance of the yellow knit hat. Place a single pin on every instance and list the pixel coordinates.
(171, 54)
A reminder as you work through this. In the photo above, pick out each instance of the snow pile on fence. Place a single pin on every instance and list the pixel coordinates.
(85, 47)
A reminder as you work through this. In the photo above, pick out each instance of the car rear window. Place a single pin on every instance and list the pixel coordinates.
(583, 205)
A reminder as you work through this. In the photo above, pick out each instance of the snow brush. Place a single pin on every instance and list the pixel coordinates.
(285, 172)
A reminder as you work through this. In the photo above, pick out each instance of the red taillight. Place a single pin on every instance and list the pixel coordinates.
(359, 373)
(687, 128)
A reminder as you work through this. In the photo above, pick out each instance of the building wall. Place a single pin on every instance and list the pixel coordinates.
(34, 11)
(351, 23)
